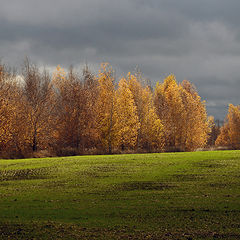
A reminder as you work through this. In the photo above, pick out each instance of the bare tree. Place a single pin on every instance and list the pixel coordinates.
(36, 95)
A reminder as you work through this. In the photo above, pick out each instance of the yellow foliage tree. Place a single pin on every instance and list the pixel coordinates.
(105, 106)
(170, 110)
(196, 125)
(150, 133)
(89, 116)
(125, 117)
(230, 131)
(183, 115)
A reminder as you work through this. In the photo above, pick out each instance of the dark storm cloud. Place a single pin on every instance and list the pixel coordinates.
(196, 40)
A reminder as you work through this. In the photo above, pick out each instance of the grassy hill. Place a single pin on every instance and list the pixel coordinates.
(139, 196)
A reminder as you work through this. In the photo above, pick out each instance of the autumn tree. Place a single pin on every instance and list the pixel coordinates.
(196, 125)
(230, 131)
(105, 106)
(150, 132)
(170, 110)
(19, 143)
(214, 131)
(126, 121)
(70, 108)
(183, 115)
(24, 110)
(7, 108)
(91, 93)
(36, 97)
(14, 124)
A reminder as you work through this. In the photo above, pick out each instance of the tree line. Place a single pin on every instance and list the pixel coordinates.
(69, 113)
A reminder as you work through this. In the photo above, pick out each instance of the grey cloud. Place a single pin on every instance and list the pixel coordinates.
(195, 40)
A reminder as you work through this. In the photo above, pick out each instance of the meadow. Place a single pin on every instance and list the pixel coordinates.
(137, 196)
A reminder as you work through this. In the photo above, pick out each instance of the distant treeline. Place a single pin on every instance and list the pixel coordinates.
(70, 113)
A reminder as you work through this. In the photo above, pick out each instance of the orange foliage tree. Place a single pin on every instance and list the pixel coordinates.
(230, 131)
(70, 110)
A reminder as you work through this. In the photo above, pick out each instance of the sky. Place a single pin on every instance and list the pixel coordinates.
(195, 40)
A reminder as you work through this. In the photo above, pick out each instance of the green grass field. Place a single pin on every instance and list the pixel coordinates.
(139, 196)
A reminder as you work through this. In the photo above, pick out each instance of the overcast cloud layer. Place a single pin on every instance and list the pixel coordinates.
(196, 40)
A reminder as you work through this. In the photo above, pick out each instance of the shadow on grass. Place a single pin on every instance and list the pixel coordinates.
(142, 185)
(24, 174)
(51, 230)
